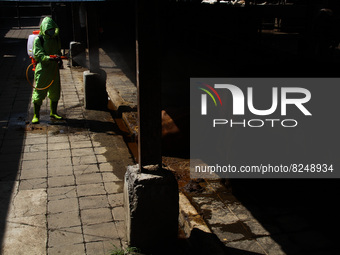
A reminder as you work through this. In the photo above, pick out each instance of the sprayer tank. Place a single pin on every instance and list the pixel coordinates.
(30, 42)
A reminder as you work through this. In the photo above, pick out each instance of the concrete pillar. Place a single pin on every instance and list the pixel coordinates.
(77, 54)
(76, 22)
(151, 207)
(92, 30)
(149, 82)
(95, 90)
(77, 49)
(95, 78)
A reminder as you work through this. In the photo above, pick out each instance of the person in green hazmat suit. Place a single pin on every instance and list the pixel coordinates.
(47, 69)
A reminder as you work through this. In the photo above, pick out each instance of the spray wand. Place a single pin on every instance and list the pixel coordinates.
(34, 63)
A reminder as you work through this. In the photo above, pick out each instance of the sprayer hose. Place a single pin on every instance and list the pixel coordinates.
(49, 85)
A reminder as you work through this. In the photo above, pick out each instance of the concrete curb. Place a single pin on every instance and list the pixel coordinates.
(189, 218)
(196, 229)
(117, 103)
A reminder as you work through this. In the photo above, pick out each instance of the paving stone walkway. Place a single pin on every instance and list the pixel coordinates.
(61, 182)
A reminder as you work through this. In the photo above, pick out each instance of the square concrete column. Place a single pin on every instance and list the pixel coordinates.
(149, 82)
(92, 30)
(95, 90)
(94, 79)
(77, 54)
(151, 209)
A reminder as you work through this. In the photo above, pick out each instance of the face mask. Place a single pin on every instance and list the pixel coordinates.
(50, 32)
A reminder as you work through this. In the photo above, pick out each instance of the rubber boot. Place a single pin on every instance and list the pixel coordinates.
(53, 113)
(36, 115)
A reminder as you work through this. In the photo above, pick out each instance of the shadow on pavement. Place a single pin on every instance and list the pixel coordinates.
(15, 95)
(300, 215)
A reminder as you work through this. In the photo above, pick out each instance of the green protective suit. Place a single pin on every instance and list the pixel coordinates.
(46, 69)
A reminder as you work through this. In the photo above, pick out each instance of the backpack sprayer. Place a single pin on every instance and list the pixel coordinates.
(30, 43)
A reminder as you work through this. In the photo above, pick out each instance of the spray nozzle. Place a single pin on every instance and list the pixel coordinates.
(56, 57)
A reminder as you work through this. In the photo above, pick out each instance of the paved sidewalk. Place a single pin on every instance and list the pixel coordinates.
(61, 182)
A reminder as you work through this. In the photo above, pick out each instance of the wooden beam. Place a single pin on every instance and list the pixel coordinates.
(92, 30)
(148, 82)
(76, 29)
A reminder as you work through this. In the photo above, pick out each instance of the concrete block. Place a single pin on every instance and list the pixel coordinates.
(37, 173)
(84, 160)
(61, 181)
(151, 209)
(63, 220)
(116, 199)
(91, 202)
(113, 187)
(91, 189)
(106, 167)
(27, 235)
(88, 178)
(59, 154)
(96, 216)
(33, 184)
(76, 249)
(95, 90)
(118, 213)
(85, 169)
(66, 236)
(33, 164)
(63, 205)
(61, 193)
(102, 247)
(34, 155)
(110, 177)
(54, 171)
(82, 152)
(100, 232)
(121, 229)
(31, 148)
(77, 54)
(81, 144)
(59, 162)
(58, 146)
(27, 203)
